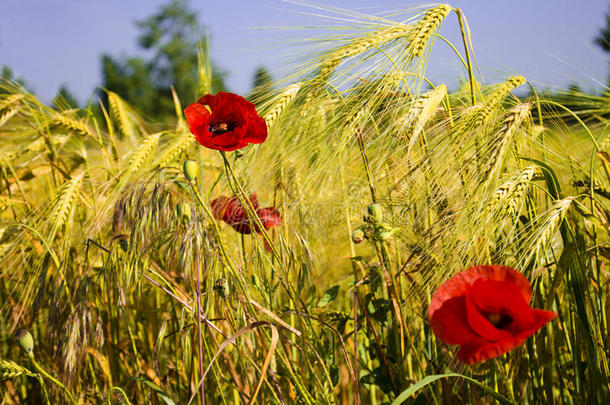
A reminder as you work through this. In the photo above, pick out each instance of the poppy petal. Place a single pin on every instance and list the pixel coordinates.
(257, 130)
(197, 116)
(449, 323)
(501, 297)
(269, 216)
(541, 318)
(225, 122)
(234, 212)
(481, 325)
(254, 201)
(508, 274)
(460, 283)
(219, 207)
(229, 140)
(480, 350)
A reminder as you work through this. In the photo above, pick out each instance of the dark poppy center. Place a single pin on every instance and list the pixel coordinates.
(500, 321)
(219, 128)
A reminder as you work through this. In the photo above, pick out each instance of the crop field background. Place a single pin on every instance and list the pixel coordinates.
(134, 292)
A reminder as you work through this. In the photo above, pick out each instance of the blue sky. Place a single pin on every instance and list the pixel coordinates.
(50, 42)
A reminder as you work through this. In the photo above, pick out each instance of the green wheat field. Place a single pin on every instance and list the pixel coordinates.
(118, 285)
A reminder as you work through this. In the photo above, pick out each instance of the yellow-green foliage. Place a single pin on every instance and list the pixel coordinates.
(112, 259)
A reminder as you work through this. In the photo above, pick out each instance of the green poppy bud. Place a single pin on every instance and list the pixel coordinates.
(25, 340)
(384, 232)
(191, 170)
(357, 235)
(221, 286)
(375, 213)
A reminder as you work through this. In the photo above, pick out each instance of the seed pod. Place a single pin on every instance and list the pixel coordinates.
(357, 235)
(221, 286)
(384, 232)
(191, 170)
(25, 340)
(375, 213)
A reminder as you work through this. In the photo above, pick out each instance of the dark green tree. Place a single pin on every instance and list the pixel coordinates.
(262, 85)
(8, 79)
(64, 99)
(603, 41)
(173, 37)
(603, 37)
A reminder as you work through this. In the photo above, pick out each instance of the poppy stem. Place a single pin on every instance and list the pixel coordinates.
(382, 251)
(377, 341)
(53, 379)
(254, 218)
(367, 167)
(250, 211)
(356, 347)
(461, 19)
(201, 369)
(223, 250)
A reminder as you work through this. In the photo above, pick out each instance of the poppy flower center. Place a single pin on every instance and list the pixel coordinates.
(219, 128)
(500, 321)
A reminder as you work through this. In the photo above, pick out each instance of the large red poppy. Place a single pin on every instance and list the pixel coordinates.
(225, 121)
(486, 311)
(233, 213)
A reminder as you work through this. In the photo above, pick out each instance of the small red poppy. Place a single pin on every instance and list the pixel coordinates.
(234, 214)
(486, 311)
(225, 121)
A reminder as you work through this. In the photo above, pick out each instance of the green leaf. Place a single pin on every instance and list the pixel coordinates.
(552, 183)
(430, 379)
(329, 296)
(334, 374)
(158, 390)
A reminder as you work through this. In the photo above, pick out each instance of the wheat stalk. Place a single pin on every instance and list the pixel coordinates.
(539, 238)
(360, 45)
(11, 100)
(510, 193)
(204, 68)
(7, 115)
(418, 35)
(74, 124)
(40, 144)
(5, 202)
(474, 117)
(495, 98)
(141, 154)
(64, 204)
(421, 32)
(280, 102)
(392, 79)
(173, 150)
(510, 125)
(598, 187)
(424, 108)
(604, 145)
(120, 112)
(10, 369)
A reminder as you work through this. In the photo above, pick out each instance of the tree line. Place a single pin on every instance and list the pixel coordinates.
(176, 43)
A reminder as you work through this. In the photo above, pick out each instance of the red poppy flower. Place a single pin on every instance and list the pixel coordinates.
(225, 121)
(486, 311)
(234, 214)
